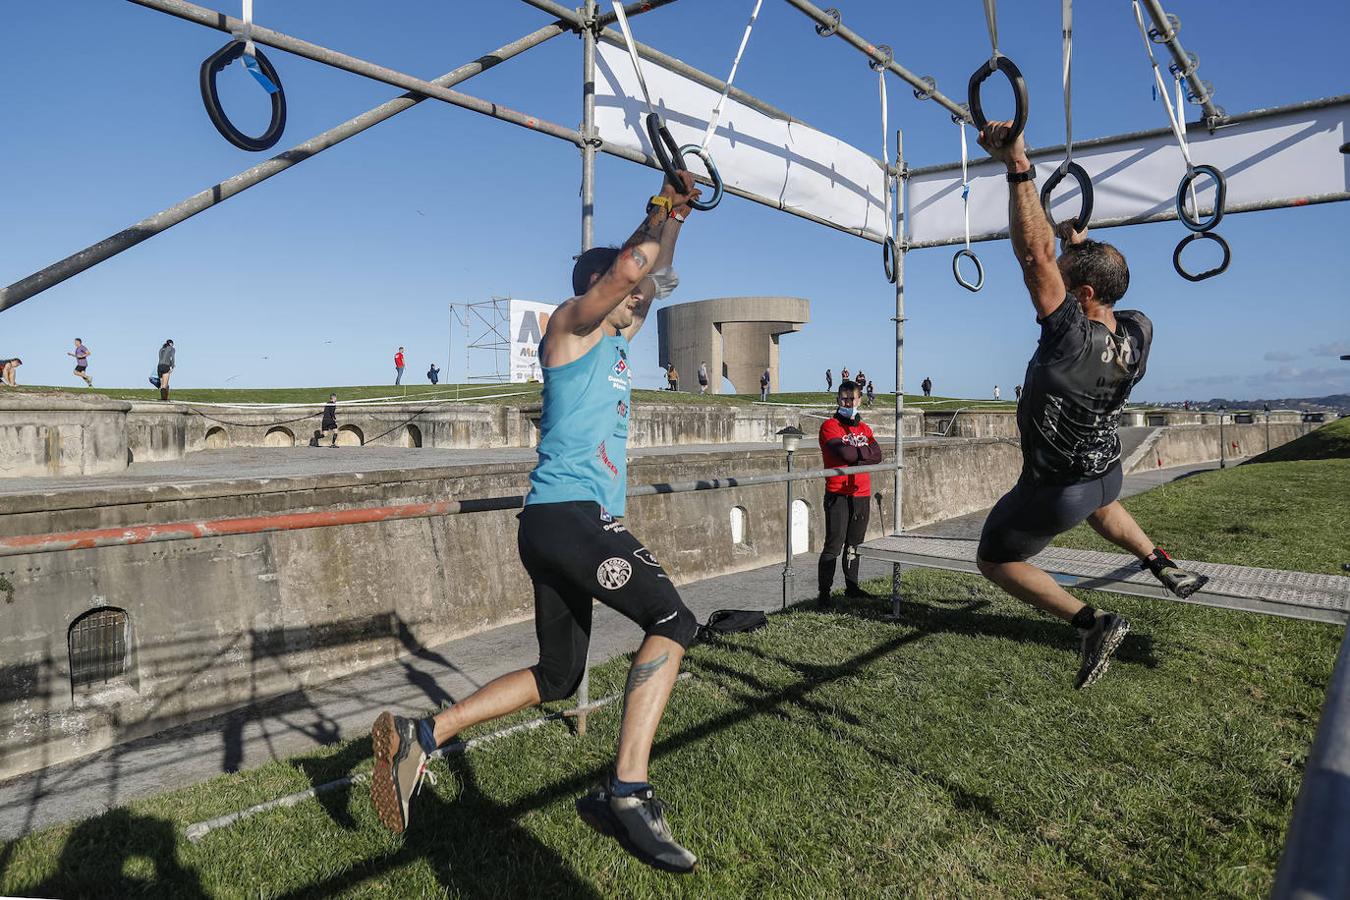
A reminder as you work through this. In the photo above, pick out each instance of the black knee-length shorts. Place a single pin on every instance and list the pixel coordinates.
(1032, 514)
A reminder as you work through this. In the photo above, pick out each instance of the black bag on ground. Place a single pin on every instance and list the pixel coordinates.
(732, 621)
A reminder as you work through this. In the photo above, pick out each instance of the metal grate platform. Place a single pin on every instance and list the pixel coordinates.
(1295, 595)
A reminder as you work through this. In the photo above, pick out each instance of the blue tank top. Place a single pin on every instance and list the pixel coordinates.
(583, 433)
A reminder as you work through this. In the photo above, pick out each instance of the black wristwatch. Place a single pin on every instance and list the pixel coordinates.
(1018, 177)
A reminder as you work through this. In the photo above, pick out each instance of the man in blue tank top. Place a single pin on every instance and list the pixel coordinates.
(575, 548)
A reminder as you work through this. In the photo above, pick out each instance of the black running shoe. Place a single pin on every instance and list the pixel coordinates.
(400, 766)
(858, 593)
(824, 600)
(1099, 642)
(638, 823)
(1173, 577)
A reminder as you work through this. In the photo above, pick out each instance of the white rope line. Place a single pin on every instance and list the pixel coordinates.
(885, 153)
(735, 63)
(366, 403)
(1066, 33)
(622, 19)
(965, 181)
(1177, 121)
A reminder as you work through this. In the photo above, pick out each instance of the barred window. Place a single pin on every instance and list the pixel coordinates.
(98, 647)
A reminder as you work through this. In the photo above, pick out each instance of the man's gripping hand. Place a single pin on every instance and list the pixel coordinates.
(1012, 153)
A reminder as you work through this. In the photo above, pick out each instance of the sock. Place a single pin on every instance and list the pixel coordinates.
(1157, 560)
(1084, 618)
(426, 736)
(626, 788)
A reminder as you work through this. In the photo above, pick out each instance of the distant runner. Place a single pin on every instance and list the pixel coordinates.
(81, 354)
(1088, 358)
(575, 548)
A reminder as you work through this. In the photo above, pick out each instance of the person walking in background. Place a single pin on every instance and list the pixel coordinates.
(871, 393)
(843, 376)
(829, 381)
(764, 384)
(996, 393)
(164, 368)
(703, 378)
(845, 440)
(672, 378)
(398, 366)
(1017, 392)
(81, 354)
(329, 420)
(861, 381)
(927, 386)
(434, 374)
(7, 367)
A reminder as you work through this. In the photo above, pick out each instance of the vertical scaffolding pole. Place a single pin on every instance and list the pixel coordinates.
(897, 523)
(588, 144)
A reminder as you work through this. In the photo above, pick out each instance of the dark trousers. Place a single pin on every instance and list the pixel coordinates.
(845, 528)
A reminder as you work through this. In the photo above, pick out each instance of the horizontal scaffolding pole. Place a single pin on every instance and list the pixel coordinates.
(1214, 115)
(147, 228)
(924, 89)
(92, 539)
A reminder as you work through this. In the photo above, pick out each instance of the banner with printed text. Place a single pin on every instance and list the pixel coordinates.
(528, 320)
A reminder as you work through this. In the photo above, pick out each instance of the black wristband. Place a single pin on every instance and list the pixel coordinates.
(1018, 177)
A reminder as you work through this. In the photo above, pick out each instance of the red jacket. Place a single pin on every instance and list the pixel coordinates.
(848, 444)
(398, 360)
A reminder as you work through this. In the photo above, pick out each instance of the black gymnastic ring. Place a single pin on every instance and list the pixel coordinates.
(1019, 86)
(979, 270)
(211, 67)
(889, 254)
(667, 151)
(1084, 186)
(713, 176)
(1220, 198)
(1209, 273)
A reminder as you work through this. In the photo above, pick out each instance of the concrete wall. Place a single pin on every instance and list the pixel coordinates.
(62, 435)
(736, 336)
(1179, 445)
(216, 624)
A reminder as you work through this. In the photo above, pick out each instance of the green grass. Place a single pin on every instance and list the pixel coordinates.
(836, 755)
(1331, 441)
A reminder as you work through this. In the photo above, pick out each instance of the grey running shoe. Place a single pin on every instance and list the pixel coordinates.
(400, 765)
(1099, 642)
(638, 823)
(1173, 577)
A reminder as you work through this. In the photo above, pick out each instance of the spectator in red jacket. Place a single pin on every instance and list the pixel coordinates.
(845, 440)
(398, 366)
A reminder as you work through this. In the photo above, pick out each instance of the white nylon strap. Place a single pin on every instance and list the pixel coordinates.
(1177, 122)
(1067, 35)
(885, 150)
(632, 52)
(247, 34)
(965, 182)
(735, 62)
(991, 22)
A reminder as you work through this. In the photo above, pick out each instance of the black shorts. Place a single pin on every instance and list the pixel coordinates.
(575, 551)
(1032, 514)
(162, 369)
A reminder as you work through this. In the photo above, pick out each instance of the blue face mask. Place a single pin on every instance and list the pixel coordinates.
(847, 412)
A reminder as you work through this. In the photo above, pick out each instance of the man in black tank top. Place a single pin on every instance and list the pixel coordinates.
(1088, 358)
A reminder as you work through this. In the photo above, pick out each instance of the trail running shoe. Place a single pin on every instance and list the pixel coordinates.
(1173, 577)
(1099, 642)
(400, 765)
(638, 823)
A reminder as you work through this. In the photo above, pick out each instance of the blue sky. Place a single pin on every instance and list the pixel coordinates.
(317, 275)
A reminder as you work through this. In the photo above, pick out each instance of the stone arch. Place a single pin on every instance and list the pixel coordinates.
(412, 436)
(217, 438)
(350, 436)
(279, 436)
(801, 526)
(740, 526)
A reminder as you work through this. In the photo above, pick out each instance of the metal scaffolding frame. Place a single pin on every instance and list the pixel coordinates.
(486, 326)
(591, 25)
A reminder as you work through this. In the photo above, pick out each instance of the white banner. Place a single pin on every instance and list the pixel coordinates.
(784, 164)
(528, 320)
(1281, 158)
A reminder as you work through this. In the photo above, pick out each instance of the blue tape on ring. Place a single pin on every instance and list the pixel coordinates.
(256, 71)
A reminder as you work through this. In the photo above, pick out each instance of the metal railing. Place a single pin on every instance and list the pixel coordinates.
(1315, 864)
